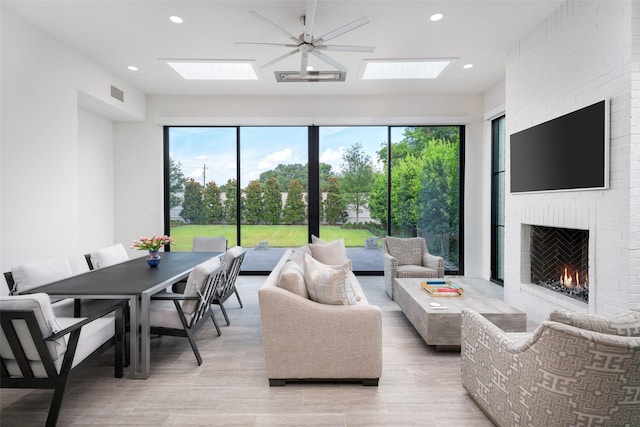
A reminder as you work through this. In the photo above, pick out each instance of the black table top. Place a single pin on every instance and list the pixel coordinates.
(128, 278)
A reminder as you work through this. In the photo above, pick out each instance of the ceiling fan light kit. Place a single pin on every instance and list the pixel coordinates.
(310, 76)
(307, 44)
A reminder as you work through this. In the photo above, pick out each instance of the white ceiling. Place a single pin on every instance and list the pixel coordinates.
(116, 34)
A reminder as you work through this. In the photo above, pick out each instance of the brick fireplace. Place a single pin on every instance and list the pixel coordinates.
(546, 78)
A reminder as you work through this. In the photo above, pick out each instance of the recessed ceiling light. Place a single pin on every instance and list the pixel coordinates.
(175, 19)
(309, 68)
(207, 69)
(132, 68)
(467, 66)
(404, 69)
(436, 17)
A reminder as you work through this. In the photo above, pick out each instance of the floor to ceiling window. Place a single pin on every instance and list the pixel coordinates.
(426, 190)
(270, 188)
(350, 166)
(497, 199)
(273, 179)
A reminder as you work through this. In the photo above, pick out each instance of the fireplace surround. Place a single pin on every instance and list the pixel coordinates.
(557, 259)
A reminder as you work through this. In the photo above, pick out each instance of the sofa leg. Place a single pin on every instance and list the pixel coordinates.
(370, 382)
(276, 383)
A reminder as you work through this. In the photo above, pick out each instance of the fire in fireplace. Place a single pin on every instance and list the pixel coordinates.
(560, 260)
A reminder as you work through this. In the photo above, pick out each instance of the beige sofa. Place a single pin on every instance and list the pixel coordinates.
(574, 370)
(307, 340)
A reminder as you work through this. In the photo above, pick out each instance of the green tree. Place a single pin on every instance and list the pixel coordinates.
(287, 173)
(272, 202)
(253, 202)
(357, 178)
(439, 193)
(192, 206)
(214, 212)
(378, 198)
(176, 183)
(334, 205)
(231, 201)
(294, 209)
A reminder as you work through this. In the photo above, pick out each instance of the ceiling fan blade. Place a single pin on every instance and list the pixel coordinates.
(303, 64)
(280, 58)
(269, 44)
(340, 31)
(345, 48)
(338, 66)
(275, 26)
(309, 19)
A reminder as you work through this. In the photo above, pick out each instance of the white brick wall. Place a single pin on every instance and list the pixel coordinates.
(579, 55)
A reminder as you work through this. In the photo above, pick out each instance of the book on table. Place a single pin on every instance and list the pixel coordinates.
(442, 288)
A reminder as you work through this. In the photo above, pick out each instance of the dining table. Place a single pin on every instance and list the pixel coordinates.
(133, 280)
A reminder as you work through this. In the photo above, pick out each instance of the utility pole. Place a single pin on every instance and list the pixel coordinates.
(204, 176)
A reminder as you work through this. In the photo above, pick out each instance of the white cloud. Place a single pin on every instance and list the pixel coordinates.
(274, 159)
(331, 156)
(202, 157)
(195, 174)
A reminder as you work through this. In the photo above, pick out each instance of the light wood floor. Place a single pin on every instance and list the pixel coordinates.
(419, 386)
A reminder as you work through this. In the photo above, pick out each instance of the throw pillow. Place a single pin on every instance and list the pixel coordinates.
(332, 253)
(292, 279)
(626, 324)
(298, 254)
(328, 284)
(408, 251)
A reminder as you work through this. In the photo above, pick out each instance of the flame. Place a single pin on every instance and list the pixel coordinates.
(568, 281)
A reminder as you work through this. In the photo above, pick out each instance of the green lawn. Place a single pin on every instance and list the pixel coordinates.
(284, 236)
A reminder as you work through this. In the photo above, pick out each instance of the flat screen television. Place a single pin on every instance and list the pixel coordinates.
(570, 152)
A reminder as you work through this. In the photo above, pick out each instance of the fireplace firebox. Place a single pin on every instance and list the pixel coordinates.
(559, 260)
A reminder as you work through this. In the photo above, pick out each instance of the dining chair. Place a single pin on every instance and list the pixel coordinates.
(209, 244)
(184, 314)
(104, 257)
(233, 258)
(41, 350)
(29, 275)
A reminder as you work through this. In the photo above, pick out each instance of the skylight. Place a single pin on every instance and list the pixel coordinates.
(404, 69)
(214, 70)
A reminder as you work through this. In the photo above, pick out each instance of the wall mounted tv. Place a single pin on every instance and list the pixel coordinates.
(570, 152)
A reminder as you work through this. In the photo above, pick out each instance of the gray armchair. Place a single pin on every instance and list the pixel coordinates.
(408, 258)
(563, 374)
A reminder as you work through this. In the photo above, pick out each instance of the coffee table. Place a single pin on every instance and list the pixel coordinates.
(442, 327)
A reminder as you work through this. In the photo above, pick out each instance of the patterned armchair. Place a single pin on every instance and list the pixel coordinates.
(408, 258)
(560, 375)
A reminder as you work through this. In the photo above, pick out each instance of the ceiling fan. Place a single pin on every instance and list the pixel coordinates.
(306, 43)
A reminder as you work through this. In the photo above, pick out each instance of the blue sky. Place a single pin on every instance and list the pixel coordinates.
(212, 150)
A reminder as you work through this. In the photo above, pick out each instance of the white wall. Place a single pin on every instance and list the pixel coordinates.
(45, 167)
(579, 55)
(139, 182)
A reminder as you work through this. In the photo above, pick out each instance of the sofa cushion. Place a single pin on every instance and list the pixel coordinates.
(328, 284)
(292, 279)
(406, 250)
(33, 274)
(196, 282)
(331, 253)
(622, 324)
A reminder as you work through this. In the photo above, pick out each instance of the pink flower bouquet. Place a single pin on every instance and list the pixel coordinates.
(152, 243)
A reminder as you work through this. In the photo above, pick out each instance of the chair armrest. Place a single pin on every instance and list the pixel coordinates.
(174, 297)
(435, 262)
(117, 307)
